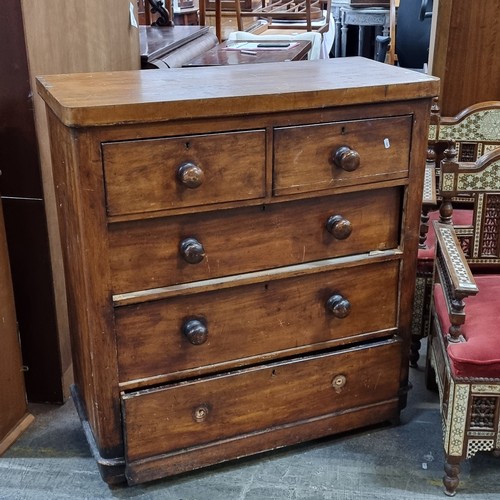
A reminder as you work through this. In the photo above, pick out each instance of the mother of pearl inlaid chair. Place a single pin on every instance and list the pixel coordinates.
(473, 132)
(463, 353)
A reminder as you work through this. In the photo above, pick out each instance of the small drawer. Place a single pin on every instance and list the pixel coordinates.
(240, 325)
(261, 399)
(159, 174)
(330, 155)
(166, 251)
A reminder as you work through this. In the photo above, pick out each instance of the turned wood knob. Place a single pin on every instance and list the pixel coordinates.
(339, 227)
(346, 158)
(339, 306)
(190, 175)
(196, 331)
(192, 250)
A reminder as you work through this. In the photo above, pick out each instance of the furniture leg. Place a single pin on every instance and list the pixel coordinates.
(202, 12)
(361, 40)
(239, 19)
(218, 20)
(451, 478)
(414, 350)
(430, 372)
(344, 38)
(336, 42)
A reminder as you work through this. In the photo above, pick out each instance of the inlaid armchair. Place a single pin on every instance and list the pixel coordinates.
(463, 354)
(472, 133)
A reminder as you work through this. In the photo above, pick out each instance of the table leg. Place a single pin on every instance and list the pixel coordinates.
(337, 41)
(218, 19)
(344, 29)
(361, 40)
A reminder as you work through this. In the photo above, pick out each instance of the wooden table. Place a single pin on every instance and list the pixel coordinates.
(221, 55)
(14, 417)
(357, 12)
(173, 46)
(156, 41)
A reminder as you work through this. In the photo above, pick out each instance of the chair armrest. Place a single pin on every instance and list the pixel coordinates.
(429, 196)
(429, 201)
(454, 275)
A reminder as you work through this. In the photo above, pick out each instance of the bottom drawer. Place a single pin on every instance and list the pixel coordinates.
(259, 401)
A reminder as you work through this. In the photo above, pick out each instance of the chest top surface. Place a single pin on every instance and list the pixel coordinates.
(108, 98)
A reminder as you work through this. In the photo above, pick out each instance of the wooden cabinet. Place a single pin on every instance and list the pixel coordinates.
(46, 37)
(14, 416)
(465, 43)
(240, 253)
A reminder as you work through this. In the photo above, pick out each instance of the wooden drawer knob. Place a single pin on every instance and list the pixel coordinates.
(339, 227)
(192, 250)
(190, 175)
(196, 331)
(346, 158)
(339, 306)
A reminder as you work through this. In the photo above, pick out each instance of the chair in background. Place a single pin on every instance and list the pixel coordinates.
(366, 19)
(409, 34)
(473, 132)
(463, 355)
(155, 13)
(296, 15)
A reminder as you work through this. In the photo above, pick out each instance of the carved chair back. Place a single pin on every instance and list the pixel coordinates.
(479, 181)
(474, 132)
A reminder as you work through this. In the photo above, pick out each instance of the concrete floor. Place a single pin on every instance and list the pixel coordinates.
(52, 461)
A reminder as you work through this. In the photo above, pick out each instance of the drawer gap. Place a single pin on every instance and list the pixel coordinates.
(389, 338)
(124, 299)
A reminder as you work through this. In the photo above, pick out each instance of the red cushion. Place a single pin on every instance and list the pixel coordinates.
(479, 356)
(461, 217)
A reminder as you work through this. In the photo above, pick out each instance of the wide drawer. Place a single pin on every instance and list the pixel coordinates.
(158, 174)
(242, 325)
(258, 400)
(325, 156)
(146, 254)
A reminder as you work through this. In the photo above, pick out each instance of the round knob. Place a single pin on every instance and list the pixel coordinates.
(339, 306)
(339, 227)
(196, 331)
(192, 250)
(338, 383)
(200, 413)
(346, 158)
(190, 175)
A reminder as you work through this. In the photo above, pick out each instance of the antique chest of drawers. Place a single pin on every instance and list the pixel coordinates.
(240, 250)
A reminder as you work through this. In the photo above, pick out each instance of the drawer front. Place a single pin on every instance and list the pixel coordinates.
(260, 399)
(159, 174)
(146, 254)
(311, 158)
(275, 318)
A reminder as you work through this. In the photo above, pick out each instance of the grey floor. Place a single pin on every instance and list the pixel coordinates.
(52, 461)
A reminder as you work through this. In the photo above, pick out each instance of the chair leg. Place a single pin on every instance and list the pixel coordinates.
(430, 374)
(451, 477)
(414, 350)
(420, 321)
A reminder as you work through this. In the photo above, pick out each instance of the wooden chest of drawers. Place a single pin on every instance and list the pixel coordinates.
(240, 252)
